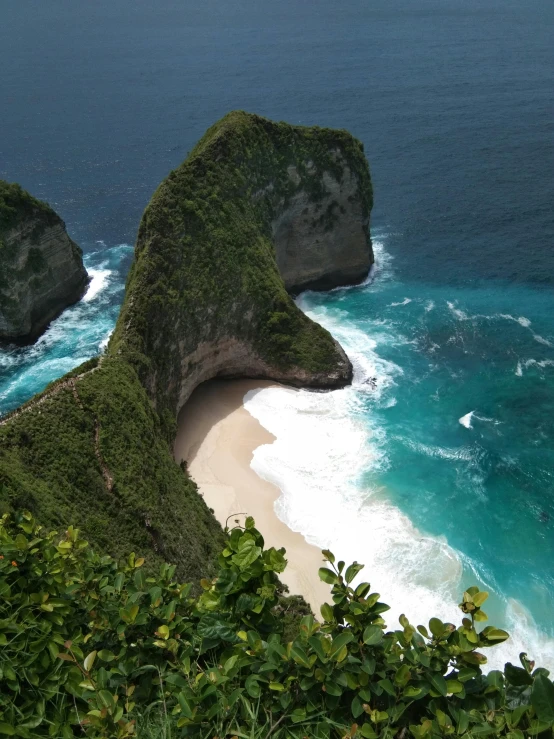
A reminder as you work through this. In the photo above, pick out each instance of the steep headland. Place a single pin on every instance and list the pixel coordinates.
(41, 268)
(257, 210)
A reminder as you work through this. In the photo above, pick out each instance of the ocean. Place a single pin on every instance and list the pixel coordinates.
(436, 468)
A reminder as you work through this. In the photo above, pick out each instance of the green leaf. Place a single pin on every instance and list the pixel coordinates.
(248, 553)
(276, 686)
(542, 698)
(106, 655)
(299, 655)
(437, 627)
(334, 689)
(316, 644)
(6, 729)
(367, 731)
(388, 687)
(454, 687)
(517, 675)
(339, 642)
(438, 683)
(403, 675)
(352, 571)
(299, 714)
(327, 612)
(252, 686)
(106, 698)
(357, 706)
(517, 715)
(186, 709)
(372, 635)
(328, 576)
(480, 598)
(463, 721)
(466, 673)
(89, 661)
(495, 635)
(495, 679)
(328, 556)
(411, 691)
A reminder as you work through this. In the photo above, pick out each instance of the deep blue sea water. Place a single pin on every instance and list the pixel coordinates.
(444, 472)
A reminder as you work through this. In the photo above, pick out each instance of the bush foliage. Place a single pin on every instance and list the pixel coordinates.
(88, 644)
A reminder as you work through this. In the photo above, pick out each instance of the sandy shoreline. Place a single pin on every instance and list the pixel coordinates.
(217, 437)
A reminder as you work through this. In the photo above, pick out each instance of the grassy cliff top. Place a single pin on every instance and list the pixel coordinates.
(17, 204)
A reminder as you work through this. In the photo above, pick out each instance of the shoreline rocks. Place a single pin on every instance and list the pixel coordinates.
(41, 268)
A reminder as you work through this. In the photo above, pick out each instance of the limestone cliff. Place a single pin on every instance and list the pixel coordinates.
(41, 268)
(258, 209)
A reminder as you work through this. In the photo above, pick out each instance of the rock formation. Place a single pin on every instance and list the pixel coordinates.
(41, 268)
(258, 209)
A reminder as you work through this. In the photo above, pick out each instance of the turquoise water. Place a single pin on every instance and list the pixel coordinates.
(465, 404)
(439, 474)
(436, 467)
(80, 333)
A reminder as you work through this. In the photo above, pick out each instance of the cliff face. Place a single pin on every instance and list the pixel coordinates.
(41, 267)
(325, 243)
(257, 209)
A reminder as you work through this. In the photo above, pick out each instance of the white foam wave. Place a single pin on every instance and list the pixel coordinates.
(429, 305)
(541, 340)
(403, 302)
(519, 371)
(455, 454)
(383, 262)
(539, 363)
(466, 420)
(99, 280)
(522, 320)
(105, 341)
(324, 460)
(318, 460)
(371, 371)
(460, 315)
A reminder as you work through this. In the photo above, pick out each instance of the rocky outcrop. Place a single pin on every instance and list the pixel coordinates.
(322, 245)
(41, 268)
(258, 210)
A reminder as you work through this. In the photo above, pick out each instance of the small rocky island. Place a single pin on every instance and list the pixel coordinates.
(257, 212)
(41, 268)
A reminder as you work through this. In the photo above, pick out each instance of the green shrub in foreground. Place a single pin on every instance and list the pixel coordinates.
(87, 646)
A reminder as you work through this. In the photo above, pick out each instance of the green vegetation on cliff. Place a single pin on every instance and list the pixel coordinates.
(95, 449)
(17, 204)
(90, 449)
(206, 260)
(90, 647)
